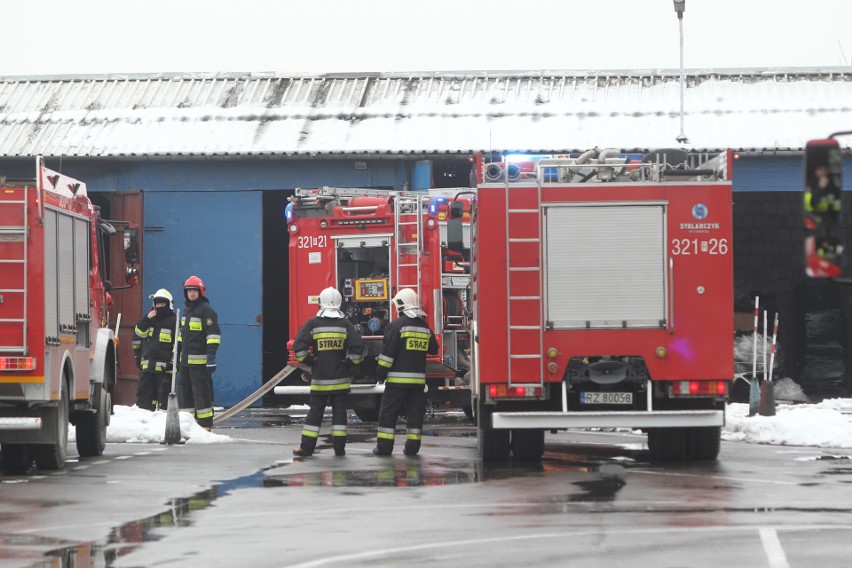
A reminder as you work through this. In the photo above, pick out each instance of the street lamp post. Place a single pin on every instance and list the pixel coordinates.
(680, 7)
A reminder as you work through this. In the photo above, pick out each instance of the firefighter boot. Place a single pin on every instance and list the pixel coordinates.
(411, 447)
(339, 445)
(308, 445)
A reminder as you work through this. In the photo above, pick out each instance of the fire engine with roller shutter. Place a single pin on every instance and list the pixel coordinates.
(602, 297)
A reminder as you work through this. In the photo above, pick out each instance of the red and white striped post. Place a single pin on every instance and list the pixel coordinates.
(767, 390)
(754, 388)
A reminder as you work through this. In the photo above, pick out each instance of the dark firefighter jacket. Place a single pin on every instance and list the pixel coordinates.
(154, 342)
(402, 362)
(199, 334)
(330, 346)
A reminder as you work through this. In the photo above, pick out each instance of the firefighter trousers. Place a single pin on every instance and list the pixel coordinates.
(311, 429)
(195, 390)
(153, 389)
(394, 400)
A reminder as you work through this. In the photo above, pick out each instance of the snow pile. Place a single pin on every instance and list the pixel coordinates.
(132, 425)
(825, 425)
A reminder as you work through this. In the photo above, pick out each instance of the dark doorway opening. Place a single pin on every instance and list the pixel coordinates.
(276, 288)
(451, 173)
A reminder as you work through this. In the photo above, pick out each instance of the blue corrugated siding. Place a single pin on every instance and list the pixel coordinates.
(216, 236)
(230, 175)
(777, 173)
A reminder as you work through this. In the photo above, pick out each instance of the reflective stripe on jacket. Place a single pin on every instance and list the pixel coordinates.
(336, 346)
(407, 342)
(155, 341)
(200, 336)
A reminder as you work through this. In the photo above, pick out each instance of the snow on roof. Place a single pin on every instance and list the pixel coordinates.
(228, 115)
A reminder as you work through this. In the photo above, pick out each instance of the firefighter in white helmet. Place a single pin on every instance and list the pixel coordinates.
(402, 366)
(153, 347)
(331, 345)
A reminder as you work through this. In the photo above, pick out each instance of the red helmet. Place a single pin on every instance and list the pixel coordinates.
(193, 282)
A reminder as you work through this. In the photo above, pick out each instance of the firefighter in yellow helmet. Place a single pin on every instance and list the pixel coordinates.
(402, 366)
(153, 347)
(199, 339)
(331, 345)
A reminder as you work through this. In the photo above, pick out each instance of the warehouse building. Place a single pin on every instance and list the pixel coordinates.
(205, 164)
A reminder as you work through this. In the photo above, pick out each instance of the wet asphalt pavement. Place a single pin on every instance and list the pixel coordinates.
(595, 500)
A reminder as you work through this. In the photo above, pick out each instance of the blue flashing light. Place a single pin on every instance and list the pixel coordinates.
(434, 203)
(288, 213)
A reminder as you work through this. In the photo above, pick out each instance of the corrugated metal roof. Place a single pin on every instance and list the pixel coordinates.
(426, 113)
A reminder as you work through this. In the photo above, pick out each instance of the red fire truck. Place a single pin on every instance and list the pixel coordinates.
(57, 351)
(587, 291)
(602, 294)
(369, 244)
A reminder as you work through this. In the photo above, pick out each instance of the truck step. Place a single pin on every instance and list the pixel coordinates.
(20, 423)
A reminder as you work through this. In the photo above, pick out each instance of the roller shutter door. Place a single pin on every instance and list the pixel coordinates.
(605, 266)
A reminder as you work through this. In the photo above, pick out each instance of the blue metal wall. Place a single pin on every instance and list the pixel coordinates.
(216, 236)
(777, 173)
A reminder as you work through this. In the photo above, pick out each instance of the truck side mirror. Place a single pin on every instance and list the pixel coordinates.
(131, 246)
(455, 235)
(823, 202)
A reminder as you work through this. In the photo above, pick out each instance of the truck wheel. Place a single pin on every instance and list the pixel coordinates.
(667, 443)
(91, 427)
(703, 443)
(367, 414)
(52, 456)
(528, 445)
(16, 458)
(494, 445)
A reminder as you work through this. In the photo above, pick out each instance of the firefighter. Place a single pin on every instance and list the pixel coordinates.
(402, 366)
(153, 347)
(199, 341)
(331, 345)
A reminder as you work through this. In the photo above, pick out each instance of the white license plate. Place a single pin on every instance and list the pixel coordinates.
(606, 398)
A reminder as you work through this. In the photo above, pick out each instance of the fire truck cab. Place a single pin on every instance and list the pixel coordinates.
(602, 296)
(57, 350)
(369, 244)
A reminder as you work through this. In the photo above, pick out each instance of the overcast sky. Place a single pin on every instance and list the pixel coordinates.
(319, 36)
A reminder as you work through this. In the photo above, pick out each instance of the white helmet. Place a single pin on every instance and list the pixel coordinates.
(329, 301)
(165, 295)
(406, 302)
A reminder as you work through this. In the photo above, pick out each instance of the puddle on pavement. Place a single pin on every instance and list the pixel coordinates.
(121, 541)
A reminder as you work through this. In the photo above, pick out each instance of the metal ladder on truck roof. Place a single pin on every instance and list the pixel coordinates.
(524, 218)
(13, 234)
(406, 206)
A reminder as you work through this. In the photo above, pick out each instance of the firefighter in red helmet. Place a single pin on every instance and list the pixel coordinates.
(199, 342)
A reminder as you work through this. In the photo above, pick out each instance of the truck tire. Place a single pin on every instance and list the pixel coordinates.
(667, 443)
(494, 445)
(367, 414)
(528, 445)
(91, 427)
(703, 443)
(16, 458)
(52, 456)
(469, 412)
